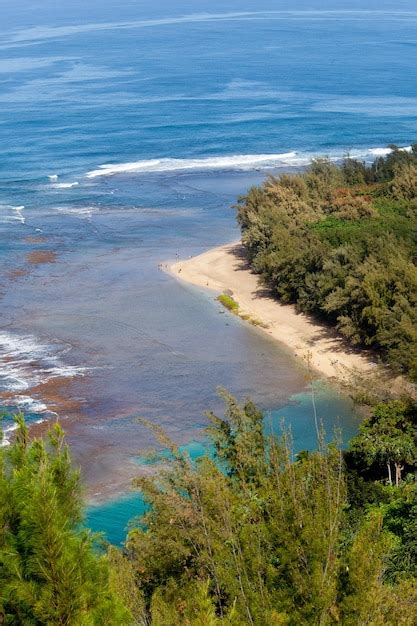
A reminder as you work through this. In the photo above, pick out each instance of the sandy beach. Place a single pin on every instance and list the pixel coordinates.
(225, 269)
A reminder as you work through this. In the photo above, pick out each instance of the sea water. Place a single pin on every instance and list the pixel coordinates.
(127, 132)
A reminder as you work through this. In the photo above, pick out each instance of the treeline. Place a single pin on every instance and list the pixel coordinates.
(254, 536)
(340, 242)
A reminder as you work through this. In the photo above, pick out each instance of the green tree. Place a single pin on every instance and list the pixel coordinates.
(255, 538)
(342, 250)
(404, 184)
(49, 572)
(354, 171)
(388, 437)
(366, 598)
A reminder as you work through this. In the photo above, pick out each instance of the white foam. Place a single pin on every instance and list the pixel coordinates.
(380, 151)
(28, 404)
(25, 362)
(65, 371)
(19, 216)
(240, 162)
(53, 177)
(18, 345)
(10, 214)
(7, 432)
(65, 185)
(81, 212)
(235, 162)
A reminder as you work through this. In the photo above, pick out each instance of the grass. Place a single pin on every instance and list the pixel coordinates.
(229, 303)
(256, 322)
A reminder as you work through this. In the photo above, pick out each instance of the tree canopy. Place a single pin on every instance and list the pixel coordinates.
(49, 572)
(340, 242)
(252, 536)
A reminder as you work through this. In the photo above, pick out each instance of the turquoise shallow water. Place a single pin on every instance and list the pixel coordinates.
(115, 517)
(128, 130)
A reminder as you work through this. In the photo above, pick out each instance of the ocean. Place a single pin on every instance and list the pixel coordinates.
(128, 130)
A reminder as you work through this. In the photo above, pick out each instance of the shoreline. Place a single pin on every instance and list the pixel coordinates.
(225, 270)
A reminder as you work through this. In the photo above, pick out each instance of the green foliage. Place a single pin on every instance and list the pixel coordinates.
(256, 538)
(341, 243)
(385, 452)
(404, 184)
(388, 440)
(49, 573)
(122, 584)
(253, 536)
(354, 172)
(400, 518)
(367, 599)
(384, 169)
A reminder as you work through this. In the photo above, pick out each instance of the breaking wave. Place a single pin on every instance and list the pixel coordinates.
(9, 430)
(11, 214)
(237, 162)
(64, 185)
(25, 363)
(240, 162)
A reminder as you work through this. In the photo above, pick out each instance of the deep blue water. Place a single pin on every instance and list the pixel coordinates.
(127, 132)
(120, 82)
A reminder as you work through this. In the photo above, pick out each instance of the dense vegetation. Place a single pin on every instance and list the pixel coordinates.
(341, 243)
(254, 536)
(49, 572)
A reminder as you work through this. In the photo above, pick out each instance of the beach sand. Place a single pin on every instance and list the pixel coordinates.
(225, 269)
